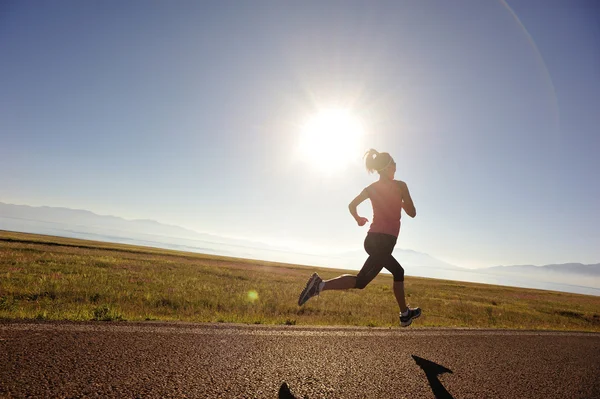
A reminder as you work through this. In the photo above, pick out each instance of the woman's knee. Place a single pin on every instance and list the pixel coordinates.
(361, 283)
(398, 273)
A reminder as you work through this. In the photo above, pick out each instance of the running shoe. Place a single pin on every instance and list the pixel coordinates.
(406, 321)
(311, 289)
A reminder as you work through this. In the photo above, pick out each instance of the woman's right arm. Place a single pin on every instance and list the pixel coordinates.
(354, 204)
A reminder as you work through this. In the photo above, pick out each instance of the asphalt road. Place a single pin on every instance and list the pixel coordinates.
(157, 360)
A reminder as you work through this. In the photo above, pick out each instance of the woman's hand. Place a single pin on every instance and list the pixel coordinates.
(361, 221)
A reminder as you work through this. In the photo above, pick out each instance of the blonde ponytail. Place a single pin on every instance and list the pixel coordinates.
(370, 157)
(376, 161)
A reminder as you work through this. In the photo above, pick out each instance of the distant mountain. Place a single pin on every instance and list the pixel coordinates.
(565, 268)
(83, 224)
(78, 218)
(53, 220)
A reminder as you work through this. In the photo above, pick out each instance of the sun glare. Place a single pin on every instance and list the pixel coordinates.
(331, 139)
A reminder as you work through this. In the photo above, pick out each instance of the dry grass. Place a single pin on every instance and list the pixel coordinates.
(53, 278)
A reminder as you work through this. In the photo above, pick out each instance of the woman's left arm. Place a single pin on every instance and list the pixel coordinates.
(407, 202)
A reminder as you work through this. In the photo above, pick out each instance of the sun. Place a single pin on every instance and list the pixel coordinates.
(331, 139)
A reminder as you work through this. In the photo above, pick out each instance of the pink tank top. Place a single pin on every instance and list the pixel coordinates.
(386, 199)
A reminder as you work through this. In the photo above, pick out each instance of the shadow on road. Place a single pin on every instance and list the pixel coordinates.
(432, 370)
(285, 393)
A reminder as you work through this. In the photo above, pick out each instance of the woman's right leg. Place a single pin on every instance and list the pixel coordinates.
(370, 269)
(343, 282)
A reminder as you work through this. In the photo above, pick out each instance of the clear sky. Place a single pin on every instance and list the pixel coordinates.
(190, 113)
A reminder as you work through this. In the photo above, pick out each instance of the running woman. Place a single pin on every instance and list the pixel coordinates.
(388, 198)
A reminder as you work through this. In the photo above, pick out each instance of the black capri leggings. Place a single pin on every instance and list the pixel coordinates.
(379, 246)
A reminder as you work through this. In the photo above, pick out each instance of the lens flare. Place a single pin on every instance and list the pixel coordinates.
(252, 296)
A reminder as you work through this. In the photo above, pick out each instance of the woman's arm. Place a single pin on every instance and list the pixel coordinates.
(354, 204)
(407, 202)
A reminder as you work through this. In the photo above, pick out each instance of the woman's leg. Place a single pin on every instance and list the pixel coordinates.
(343, 282)
(392, 265)
(368, 272)
(399, 294)
(406, 315)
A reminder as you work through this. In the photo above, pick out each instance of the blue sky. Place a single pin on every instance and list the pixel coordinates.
(189, 113)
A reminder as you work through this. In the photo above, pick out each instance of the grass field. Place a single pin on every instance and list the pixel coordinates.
(54, 278)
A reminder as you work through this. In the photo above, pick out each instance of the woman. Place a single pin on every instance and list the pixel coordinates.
(388, 198)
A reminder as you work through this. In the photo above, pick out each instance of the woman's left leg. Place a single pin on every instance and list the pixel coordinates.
(407, 315)
(399, 294)
(392, 265)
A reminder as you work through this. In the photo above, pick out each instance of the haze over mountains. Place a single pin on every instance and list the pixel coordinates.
(78, 219)
(572, 277)
(571, 268)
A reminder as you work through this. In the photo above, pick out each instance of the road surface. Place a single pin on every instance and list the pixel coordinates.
(162, 360)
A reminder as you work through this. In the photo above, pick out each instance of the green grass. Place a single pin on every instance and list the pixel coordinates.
(51, 278)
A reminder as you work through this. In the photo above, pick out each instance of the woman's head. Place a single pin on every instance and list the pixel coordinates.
(380, 162)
